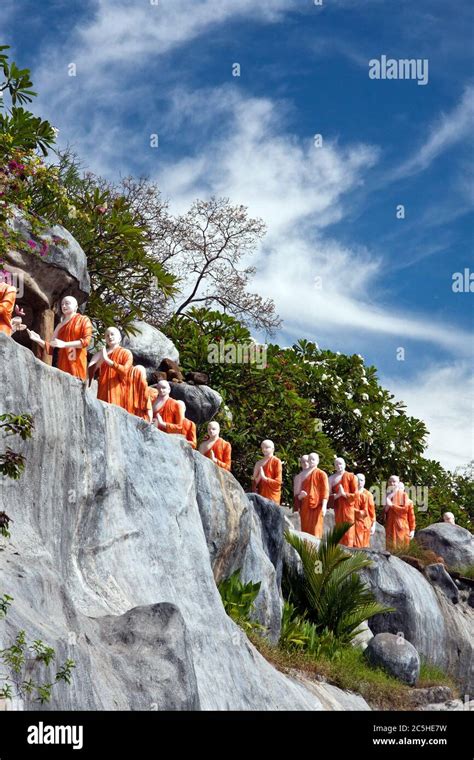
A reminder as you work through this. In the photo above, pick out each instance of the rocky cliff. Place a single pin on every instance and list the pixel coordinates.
(120, 532)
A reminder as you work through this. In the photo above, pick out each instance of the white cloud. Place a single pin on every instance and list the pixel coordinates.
(298, 190)
(441, 395)
(448, 130)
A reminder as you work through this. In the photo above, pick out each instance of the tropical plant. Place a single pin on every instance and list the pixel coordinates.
(12, 464)
(238, 599)
(20, 660)
(329, 592)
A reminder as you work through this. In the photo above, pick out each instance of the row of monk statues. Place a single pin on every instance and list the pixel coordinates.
(121, 383)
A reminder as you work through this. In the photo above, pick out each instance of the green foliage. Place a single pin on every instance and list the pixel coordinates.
(263, 402)
(20, 129)
(12, 464)
(466, 571)
(5, 602)
(307, 399)
(21, 657)
(238, 599)
(330, 593)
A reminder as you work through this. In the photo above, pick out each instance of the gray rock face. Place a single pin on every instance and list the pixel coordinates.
(62, 271)
(202, 402)
(149, 346)
(451, 542)
(438, 576)
(109, 560)
(396, 655)
(441, 632)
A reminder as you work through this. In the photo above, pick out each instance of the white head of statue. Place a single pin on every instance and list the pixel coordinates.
(213, 430)
(268, 448)
(164, 389)
(393, 482)
(313, 459)
(361, 480)
(304, 461)
(113, 338)
(448, 517)
(339, 465)
(69, 306)
(400, 486)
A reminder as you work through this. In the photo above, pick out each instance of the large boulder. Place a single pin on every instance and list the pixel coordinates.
(438, 576)
(441, 632)
(202, 402)
(451, 542)
(395, 655)
(149, 347)
(43, 280)
(109, 561)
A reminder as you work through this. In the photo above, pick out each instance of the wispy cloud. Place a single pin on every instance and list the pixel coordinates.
(448, 130)
(299, 190)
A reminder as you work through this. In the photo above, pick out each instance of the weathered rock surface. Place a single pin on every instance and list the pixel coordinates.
(452, 542)
(396, 655)
(149, 347)
(112, 555)
(438, 576)
(202, 402)
(61, 271)
(441, 632)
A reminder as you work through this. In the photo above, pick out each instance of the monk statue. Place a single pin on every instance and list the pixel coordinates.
(313, 497)
(7, 304)
(449, 518)
(304, 464)
(215, 448)
(168, 414)
(343, 489)
(138, 396)
(399, 515)
(71, 336)
(189, 428)
(267, 474)
(113, 363)
(364, 526)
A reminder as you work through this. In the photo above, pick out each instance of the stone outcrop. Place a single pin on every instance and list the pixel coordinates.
(120, 533)
(441, 631)
(202, 402)
(451, 542)
(149, 347)
(43, 280)
(395, 655)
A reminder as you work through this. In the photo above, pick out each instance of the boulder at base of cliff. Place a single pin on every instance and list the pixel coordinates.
(395, 655)
(452, 542)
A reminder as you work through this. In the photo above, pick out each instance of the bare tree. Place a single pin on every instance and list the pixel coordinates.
(204, 248)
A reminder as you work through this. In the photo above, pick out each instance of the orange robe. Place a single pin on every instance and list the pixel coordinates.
(344, 506)
(316, 486)
(399, 521)
(271, 488)
(189, 432)
(364, 517)
(113, 379)
(73, 360)
(137, 395)
(222, 452)
(173, 415)
(7, 304)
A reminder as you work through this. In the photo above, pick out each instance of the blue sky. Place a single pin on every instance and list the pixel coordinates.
(330, 211)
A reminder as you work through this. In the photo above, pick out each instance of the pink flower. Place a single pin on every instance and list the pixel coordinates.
(32, 244)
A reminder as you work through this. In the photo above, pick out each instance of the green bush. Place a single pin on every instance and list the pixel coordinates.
(238, 599)
(329, 592)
